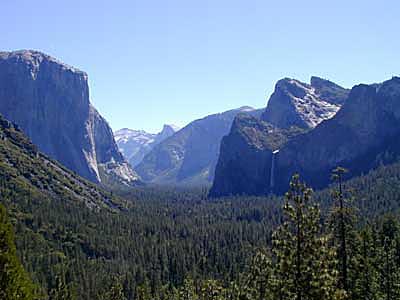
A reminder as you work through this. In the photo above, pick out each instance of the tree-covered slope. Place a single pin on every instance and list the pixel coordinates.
(70, 248)
(23, 168)
(15, 283)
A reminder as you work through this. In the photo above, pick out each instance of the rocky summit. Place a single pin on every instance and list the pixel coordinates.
(49, 101)
(249, 153)
(362, 135)
(294, 103)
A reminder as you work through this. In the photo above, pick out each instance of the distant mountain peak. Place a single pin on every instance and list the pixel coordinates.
(174, 127)
(168, 130)
(135, 144)
(295, 103)
(246, 108)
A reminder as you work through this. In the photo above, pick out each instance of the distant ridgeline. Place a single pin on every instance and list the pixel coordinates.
(135, 144)
(316, 128)
(189, 156)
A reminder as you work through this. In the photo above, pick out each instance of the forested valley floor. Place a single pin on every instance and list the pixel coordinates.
(340, 243)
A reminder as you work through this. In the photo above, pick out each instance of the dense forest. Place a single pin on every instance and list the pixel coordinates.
(77, 241)
(340, 243)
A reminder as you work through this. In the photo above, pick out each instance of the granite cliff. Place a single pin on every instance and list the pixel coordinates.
(250, 153)
(49, 101)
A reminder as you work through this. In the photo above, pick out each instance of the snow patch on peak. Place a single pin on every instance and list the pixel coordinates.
(135, 144)
(295, 103)
(313, 110)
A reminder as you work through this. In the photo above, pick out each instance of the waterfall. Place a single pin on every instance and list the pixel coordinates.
(272, 177)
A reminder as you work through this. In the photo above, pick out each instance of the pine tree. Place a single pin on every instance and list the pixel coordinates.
(389, 270)
(116, 291)
(342, 222)
(304, 265)
(212, 290)
(366, 283)
(61, 291)
(143, 292)
(187, 291)
(256, 282)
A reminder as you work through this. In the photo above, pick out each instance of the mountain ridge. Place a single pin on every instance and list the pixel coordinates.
(361, 136)
(293, 109)
(189, 156)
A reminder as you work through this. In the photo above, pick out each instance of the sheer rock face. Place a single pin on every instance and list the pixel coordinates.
(245, 164)
(295, 103)
(245, 161)
(50, 102)
(362, 135)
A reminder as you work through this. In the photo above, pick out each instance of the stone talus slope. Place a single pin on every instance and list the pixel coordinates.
(50, 102)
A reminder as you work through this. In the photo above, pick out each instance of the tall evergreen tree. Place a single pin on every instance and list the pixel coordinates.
(256, 282)
(342, 220)
(305, 267)
(389, 269)
(212, 290)
(61, 291)
(187, 291)
(366, 283)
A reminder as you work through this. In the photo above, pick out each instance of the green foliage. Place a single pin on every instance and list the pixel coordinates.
(342, 220)
(305, 265)
(14, 281)
(116, 292)
(78, 241)
(187, 291)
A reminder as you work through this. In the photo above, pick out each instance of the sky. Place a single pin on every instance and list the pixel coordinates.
(153, 62)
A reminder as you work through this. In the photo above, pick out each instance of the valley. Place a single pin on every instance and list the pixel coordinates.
(212, 210)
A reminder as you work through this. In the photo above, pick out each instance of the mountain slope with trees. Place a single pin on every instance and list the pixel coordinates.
(170, 240)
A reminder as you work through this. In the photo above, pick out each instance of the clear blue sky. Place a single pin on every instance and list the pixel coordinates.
(153, 62)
